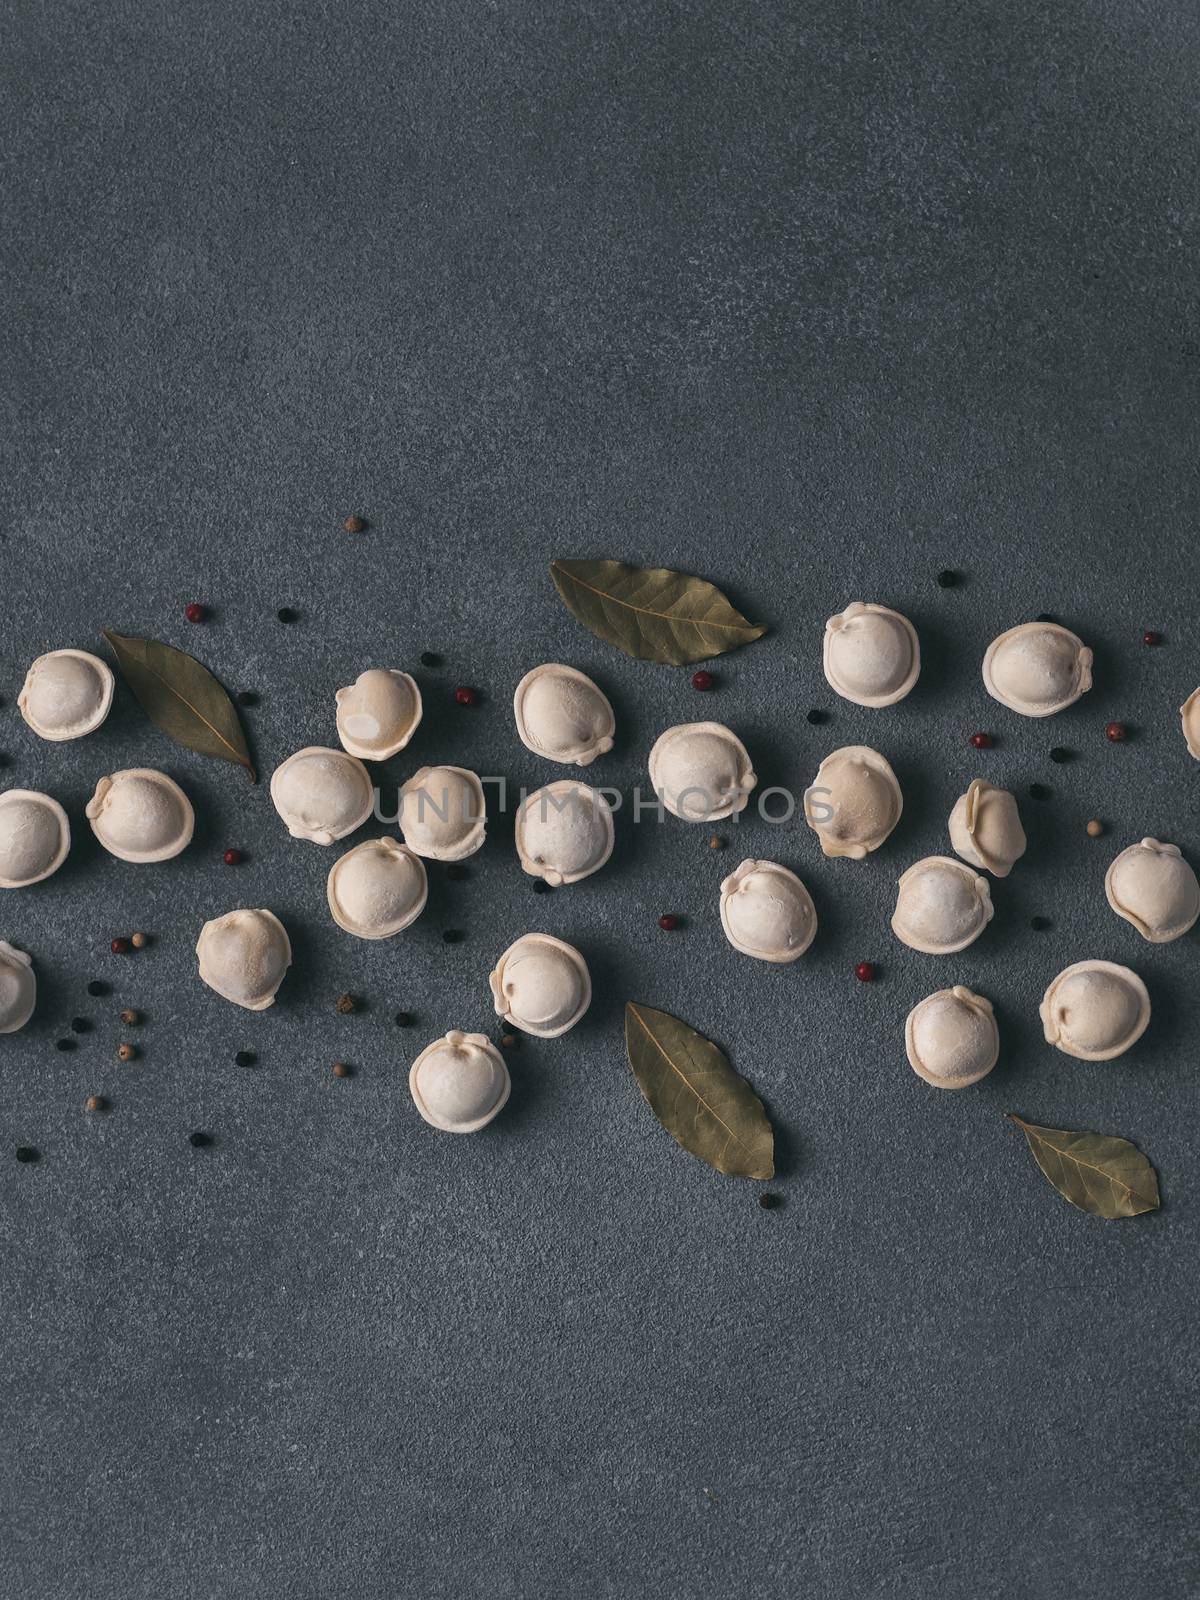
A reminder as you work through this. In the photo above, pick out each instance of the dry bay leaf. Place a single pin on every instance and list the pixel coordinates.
(1099, 1173)
(182, 697)
(652, 612)
(700, 1100)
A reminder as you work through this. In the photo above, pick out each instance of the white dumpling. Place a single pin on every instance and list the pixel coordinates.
(701, 771)
(872, 655)
(853, 803)
(378, 713)
(985, 829)
(564, 832)
(18, 988)
(377, 889)
(67, 693)
(562, 715)
(541, 985)
(141, 815)
(1155, 889)
(767, 912)
(941, 906)
(35, 837)
(1037, 669)
(244, 956)
(443, 815)
(952, 1039)
(1189, 711)
(322, 794)
(1095, 1010)
(459, 1083)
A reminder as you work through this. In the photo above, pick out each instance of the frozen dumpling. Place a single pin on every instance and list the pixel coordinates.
(564, 832)
(853, 803)
(67, 693)
(952, 1039)
(1190, 713)
(141, 815)
(872, 655)
(378, 713)
(322, 794)
(701, 771)
(1037, 669)
(1152, 886)
(767, 912)
(562, 715)
(941, 906)
(442, 813)
(459, 1083)
(541, 985)
(985, 828)
(35, 837)
(244, 956)
(1095, 1010)
(377, 889)
(18, 988)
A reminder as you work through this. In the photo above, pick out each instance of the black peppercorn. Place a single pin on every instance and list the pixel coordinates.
(817, 717)
(452, 935)
(64, 1044)
(26, 1152)
(430, 658)
(948, 579)
(768, 1201)
(199, 1140)
(80, 1025)
(1038, 791)
(96, 988)
(1060, 754)
(1039, 924)
(245, 1058)
(286, 614)
(247, 697)
(404, 1019)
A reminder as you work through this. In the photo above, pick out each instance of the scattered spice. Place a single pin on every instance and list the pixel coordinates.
(509, 1040)
(452, 935)
(199, 1140)
(65, 1045)
(1152, 638)
(130, 1017)
(769, 1202)
(466, 696)
(286, 614)
(26, 1152)
(340, 1069)
(96, 1102)
(817, 717)
(126, 1052)
(232, 858)
(404, 1019)
(355, 524)
(247, 697)
(981, 741)
(1060, 754)
(1039, 924)
(1038, 791)
(1116, 733)
(430, 658)
(98, 987)
(139, 941)
(865, 972)
(80, 1025)
(1095, 829)
(120, 947)
(715, 842)
(195, 613)
(245, 1058)
(948, 579)
(702, 680)
(668, 923)
(346, 1003)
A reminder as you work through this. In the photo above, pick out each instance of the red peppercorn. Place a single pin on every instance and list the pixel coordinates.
(702, 680)
(465, 696)
(232, 858)
(668, 923)
(1116, 732)
(981, 741)
(1152, 638)
(864, 972)
(120, 947)
(195, 613)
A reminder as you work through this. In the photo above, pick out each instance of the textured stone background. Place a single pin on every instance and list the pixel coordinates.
(814, 300)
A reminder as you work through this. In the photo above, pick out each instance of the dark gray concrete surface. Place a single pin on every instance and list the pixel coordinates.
(814, 300)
